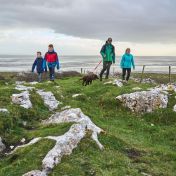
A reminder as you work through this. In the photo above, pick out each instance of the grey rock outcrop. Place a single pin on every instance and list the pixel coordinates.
(49, 99)
(22, 99)
(144, 101)
(67, 142)
(2, 145)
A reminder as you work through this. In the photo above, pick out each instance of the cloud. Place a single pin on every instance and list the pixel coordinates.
(138, 21)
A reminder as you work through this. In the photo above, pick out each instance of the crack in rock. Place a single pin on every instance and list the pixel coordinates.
(49, 99)
(144, 101)
(67, 142)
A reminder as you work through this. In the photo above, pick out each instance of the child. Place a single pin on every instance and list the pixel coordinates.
(52, 60)
(40, 65)
(126, 63)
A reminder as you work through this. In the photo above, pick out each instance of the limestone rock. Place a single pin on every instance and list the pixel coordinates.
(67, 142)
(22, 99)
(136, 88)
(65, 107)
(35, 173)
(109, 82)
(33, 141)
(165, 88)
(76, 95)
(145, 101)
(19, 82)
(174, 108)
(145, 80)
(23, 88)
(49, 99)
(33, 83)
(23, 140)
(117, 82)
(2, 146)
(11, 147)
(4, 110)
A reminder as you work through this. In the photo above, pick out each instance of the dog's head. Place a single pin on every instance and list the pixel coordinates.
(94, 76)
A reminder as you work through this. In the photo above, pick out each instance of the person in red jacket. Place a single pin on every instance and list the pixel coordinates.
(52, 60)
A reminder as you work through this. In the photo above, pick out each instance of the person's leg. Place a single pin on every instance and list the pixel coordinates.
(39, 77)
(108, 69)
(53, 73)
(50, 73)
(103, 70)
(128, 73)
(123, 73)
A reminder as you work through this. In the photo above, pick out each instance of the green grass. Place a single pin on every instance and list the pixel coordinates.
(155, 145)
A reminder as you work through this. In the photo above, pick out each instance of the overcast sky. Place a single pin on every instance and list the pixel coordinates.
(80, 27)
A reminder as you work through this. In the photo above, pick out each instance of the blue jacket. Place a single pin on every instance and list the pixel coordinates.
(127, 61)
(40, 65)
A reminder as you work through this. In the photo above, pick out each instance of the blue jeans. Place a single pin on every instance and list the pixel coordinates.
(39, 77)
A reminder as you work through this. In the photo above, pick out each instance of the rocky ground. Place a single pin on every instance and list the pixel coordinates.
(108, 128)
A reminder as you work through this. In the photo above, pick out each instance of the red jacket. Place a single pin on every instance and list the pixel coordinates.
(51, 57)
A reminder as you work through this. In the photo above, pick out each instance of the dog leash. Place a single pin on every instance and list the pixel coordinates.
(97, 66)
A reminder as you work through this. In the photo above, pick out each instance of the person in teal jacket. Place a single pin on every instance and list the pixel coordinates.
(126, 63)
(108, 55)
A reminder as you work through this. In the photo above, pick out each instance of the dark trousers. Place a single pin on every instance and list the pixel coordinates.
(52, 73)
(106, 67)
(39, 77)
(124, 71)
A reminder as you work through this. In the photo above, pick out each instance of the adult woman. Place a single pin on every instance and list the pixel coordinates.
(126, 63)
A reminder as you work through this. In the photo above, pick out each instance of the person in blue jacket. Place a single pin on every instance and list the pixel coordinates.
(40, 65)
(126, 64)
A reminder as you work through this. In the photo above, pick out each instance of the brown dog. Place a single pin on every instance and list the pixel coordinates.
(87, 79)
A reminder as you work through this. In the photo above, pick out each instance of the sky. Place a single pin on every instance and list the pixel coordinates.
(81, 27)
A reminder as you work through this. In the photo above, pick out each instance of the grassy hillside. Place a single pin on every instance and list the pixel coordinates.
(133, 146)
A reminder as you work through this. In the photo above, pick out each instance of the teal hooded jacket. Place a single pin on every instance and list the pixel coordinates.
(108, 53)
(127, 61)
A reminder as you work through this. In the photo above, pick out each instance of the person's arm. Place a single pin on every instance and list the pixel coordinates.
(102, 52)
(34, 65)
(44, 65)
(45, 58)
(57, 62)
(113, 55)
(122, 61)
(132, 61)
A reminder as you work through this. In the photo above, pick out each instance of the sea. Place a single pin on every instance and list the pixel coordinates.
(23, 63)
